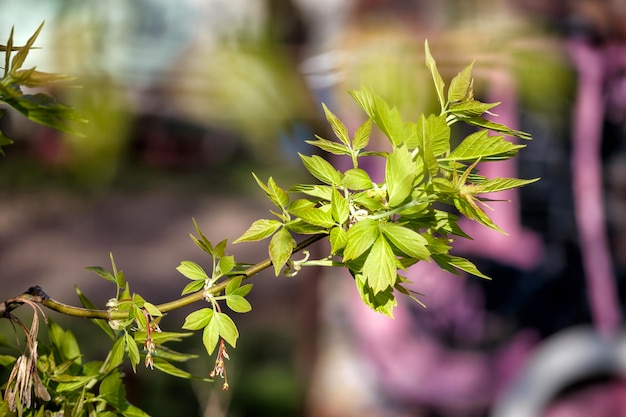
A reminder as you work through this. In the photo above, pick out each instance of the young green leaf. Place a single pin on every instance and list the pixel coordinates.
(101, 272)
(399, 176)
(382, 302)
(362, 135)
(233, 284)
(238, 304)
(380, 268)
(471, 108)
(211, 335)
(198, 319)
(226, 264)
(193, 286)
(501, 184)
(484, 146)
(338, 238)
(329, 146)
(460, 85)
(439, 84)
(133, 351)
(321, 169)
(337, 125)
(409, 242)
(361, 236)
(227, 328)
(339, 207)
(280, 249)
(316, 217)
(192, 270)
(65, 342)
(357, 179)
(451, 263)
(259, 230)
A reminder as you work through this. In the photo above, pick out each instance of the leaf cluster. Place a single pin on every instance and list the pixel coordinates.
(377, 230)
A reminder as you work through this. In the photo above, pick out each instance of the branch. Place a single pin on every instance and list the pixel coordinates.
(37, 295)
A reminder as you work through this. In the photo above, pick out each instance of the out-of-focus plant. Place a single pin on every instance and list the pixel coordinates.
(375, 231)
(39, 107)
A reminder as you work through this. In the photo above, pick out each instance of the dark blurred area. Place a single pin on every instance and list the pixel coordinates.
(184, 99)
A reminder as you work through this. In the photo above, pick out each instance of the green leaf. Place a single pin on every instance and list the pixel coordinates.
(381, 302)
(220, 248)
(233, 284)
(387, 118)
(406, 240)
(280, 249)
(193, 286)
(112, 390)
(321, 169)
(88, 304)
(170, 369)
(473, 212)
(226, 264)
(316, 217)
(338, 127)
(480, 145)
(116, 355)
(380, 268)
(471, 108)
(277, 194)
(432, 66)
(361, 236)
(211, 335)
(362, 135)
(451, 263)
(133, 411)
(243, 290)
(323, 192)
(203, 243)
(460, 86)
(496, 127)
(133, 351)
(338, 238)
(425, 140)
(103, 273)
(501, 184)
(357, 179)
(152, 309)
(339, 207)
(198, 319)
(259, 230)
(227, 328)
(65, 342)
(399, 176)
(329, 146)
(20, 56)
(192, 270)
(238, 304)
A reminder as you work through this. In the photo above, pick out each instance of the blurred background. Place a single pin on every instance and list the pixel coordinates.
(185, 99)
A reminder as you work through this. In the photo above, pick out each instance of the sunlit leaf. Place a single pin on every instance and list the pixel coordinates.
(357, 179)
(408, 241)
(399, 176)
(380, 267)
(337, 125)
(280, 249)
(259, 230)
(227, 328)
(238, 304)
(198, 319)
(339, 207)
(321, 169)
(460, 85)
(361, 237)
(432, 66)
(192, 270)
